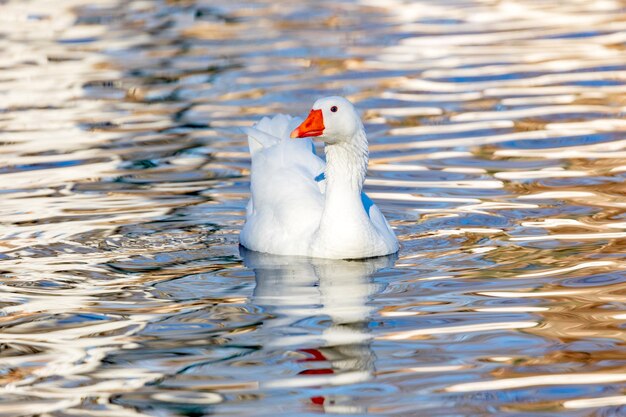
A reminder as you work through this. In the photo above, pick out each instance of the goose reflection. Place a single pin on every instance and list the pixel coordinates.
(320, 311)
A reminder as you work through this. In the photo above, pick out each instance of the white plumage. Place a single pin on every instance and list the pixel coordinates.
(301, 205)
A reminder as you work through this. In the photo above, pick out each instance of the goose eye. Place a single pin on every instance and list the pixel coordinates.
(333, 109)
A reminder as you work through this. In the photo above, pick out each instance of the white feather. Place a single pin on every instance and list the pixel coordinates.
(288, 199)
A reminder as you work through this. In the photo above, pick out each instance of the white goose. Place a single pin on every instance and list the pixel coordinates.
(302, 206)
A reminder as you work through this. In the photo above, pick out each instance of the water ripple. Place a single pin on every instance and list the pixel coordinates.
(497, 145)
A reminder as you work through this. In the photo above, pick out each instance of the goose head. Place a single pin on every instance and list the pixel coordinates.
(332, 119)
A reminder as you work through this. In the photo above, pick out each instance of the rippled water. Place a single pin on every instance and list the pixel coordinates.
(497, 137)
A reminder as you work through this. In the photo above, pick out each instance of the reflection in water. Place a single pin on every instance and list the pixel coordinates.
(497, 146)
(335, 293)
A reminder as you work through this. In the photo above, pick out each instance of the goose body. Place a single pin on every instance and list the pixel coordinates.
(303, 206)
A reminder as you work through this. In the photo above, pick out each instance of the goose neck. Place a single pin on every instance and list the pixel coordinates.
(346, 166)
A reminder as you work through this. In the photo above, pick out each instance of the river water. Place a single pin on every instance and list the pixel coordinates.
(498, 141)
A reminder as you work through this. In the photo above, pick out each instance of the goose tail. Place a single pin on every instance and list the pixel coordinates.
(270, 131)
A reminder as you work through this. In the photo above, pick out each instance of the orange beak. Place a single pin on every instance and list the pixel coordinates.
(312, 126)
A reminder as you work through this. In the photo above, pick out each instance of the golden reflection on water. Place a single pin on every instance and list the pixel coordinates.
(497, 139)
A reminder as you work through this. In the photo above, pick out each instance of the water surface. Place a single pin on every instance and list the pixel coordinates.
(498, 145)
